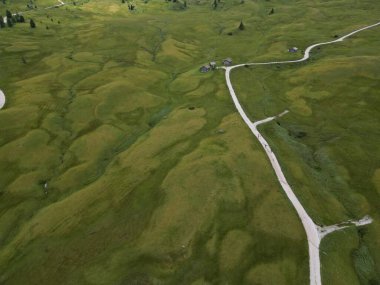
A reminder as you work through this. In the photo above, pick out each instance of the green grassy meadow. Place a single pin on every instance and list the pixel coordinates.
(120, 163)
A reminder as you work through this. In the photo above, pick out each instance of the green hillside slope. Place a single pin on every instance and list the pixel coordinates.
(121, 163)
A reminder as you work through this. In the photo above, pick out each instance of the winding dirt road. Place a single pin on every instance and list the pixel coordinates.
(314, 232)
(61, 3)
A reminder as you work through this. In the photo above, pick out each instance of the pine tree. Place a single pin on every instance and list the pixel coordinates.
(9, 22)
(241, 26)
(32, 24)
(8, 15)
(271, 12)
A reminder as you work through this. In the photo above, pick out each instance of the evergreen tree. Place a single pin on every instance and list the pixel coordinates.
(32, 24)
(9, 22)
(241, 26)
(2, 24)
(9, 17)
(271, 12)
(19, 18)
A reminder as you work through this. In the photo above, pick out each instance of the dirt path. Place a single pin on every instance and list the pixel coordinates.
(314, 233)
(61, 3)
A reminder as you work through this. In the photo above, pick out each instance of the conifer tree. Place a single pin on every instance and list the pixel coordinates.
(8, 14)
(241, 26)
(32, 24)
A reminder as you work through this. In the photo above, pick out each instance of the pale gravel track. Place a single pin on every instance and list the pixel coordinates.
(314, 232)
(61, 3)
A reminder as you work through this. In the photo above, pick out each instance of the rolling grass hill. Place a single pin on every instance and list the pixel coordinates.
(120, 163)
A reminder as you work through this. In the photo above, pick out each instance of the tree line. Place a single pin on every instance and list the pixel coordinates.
(9, 20)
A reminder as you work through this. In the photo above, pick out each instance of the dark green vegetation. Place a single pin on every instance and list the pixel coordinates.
(121, 164)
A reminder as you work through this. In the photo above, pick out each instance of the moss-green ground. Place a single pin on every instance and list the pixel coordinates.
(152, 177)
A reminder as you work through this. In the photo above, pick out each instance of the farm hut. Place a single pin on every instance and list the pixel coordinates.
(205, 68)
(293, 49)
(227, 62)
(213, 64)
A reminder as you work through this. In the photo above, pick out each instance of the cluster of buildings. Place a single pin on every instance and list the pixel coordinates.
(212, 65)
(228, 62)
